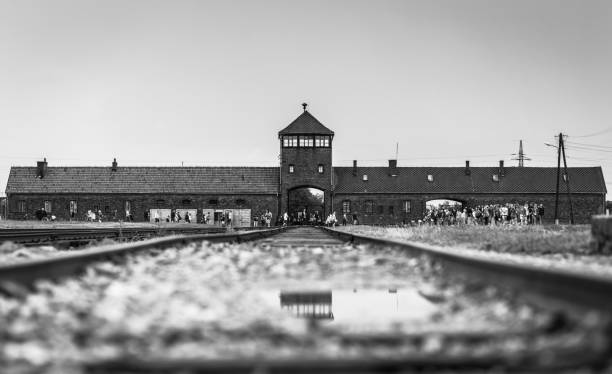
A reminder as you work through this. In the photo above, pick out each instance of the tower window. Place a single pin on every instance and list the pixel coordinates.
(290, 141)
(321, 169)
(346, 206)
(306, 141)
(291, 169)
(321, 141)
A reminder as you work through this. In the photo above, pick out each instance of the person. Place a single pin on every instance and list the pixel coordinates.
(344, 219)
(173, 215)
(268, 217)
(229, 217)
(355, 220)
(99, 216)
(255, 219)
(156, 216)
(207, 218)
(285, 219)
(147, 216)
(540, 213)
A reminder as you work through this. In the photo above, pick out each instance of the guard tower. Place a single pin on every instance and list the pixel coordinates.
(305, 166)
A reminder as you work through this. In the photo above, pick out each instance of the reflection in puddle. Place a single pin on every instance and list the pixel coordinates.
(357, 306)
(314, 305)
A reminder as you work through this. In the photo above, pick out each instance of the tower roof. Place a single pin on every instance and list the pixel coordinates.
(306, 123)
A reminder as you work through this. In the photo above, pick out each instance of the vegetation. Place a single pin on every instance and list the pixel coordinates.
(538, 240)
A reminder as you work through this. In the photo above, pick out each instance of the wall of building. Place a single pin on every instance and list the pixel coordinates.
(113, 206)
(306, 162)
(585, 205)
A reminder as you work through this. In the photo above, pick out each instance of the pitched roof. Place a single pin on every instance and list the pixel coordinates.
(214, 180)
(306, 123)
(454, 180)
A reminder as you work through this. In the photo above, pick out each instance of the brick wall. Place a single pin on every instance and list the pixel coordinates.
(585, 205)
(113, 206)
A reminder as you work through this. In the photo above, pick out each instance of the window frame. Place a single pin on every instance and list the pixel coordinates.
(369, 206)
(290, 141)
(346, 206)
(321, 141)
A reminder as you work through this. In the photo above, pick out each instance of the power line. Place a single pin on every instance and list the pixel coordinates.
(609, 129)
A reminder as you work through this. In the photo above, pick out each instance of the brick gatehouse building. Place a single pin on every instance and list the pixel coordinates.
(305, 181)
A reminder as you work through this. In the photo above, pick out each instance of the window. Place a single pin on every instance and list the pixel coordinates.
(406, 206)
(128, 206)
(186, 202)
(21, 206)
(380, 209)
(290, 141)
(321, 169)
(369, 207)
(306, 141)
(240, 201)
(346, 206)
(391, 209)
(495, 178)
(213, 201)
(365, 177)
(47, 205)
(73, 208)
(107, 209)
(429, 178)
(321, 141)
(291, 168)
(565, 177)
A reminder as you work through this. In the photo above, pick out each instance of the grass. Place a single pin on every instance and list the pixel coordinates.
(538, 240)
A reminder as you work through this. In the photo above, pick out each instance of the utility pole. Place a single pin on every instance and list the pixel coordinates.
(558, 176)
(567, 182)
(566, 178)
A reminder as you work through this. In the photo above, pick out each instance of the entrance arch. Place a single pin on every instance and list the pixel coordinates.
(443, 203)
(306, 205)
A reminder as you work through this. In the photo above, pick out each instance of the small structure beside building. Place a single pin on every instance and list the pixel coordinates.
(306, 185)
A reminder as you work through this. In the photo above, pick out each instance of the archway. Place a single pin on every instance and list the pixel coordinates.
(443, 203)
(306, 205)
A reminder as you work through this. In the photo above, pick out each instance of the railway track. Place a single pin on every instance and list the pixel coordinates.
(78, 236)
(553, 289)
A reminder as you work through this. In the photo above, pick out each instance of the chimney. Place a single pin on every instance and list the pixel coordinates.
(41, 168)
(501, 168)
(393, 168)
(114, 168)
(467, 167)
(354, 168)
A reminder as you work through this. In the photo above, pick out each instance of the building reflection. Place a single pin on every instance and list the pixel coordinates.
(308, 304)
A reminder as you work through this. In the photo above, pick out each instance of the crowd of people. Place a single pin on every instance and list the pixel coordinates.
(492, 214)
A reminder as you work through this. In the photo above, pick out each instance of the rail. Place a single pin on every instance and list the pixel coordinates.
(540, 285)
(60, 265)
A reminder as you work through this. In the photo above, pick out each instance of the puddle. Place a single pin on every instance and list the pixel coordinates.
(354, 307)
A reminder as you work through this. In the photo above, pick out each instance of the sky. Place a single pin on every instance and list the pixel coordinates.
(211, 83)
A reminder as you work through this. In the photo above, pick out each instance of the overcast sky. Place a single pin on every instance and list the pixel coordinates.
(212, 82)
